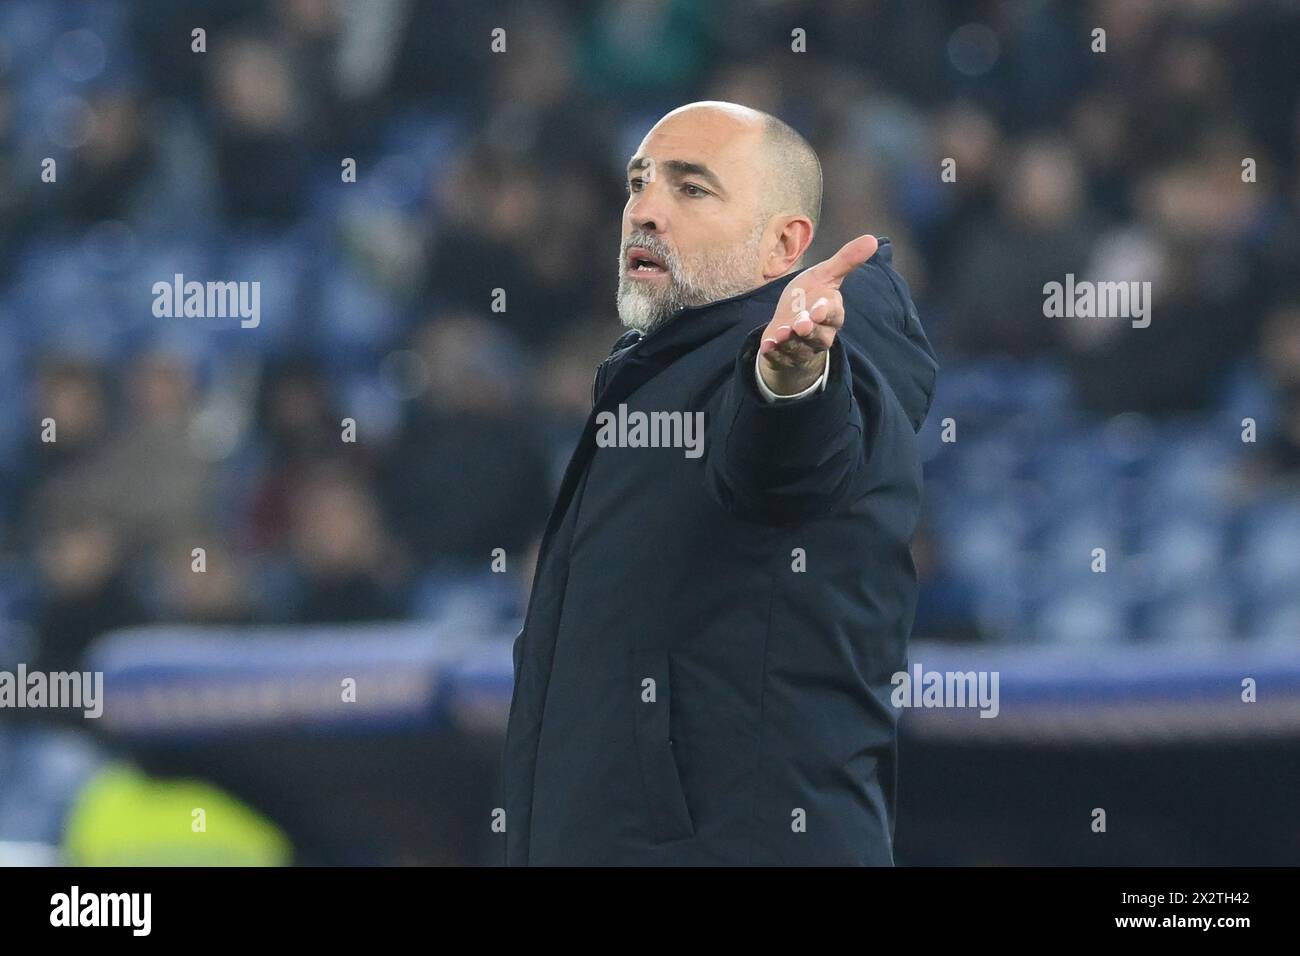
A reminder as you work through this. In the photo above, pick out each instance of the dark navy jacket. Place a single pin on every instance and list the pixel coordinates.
(685, 693)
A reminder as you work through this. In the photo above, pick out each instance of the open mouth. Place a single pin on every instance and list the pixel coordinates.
(641, 262)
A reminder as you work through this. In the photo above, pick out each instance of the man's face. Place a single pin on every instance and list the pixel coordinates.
(692, 229)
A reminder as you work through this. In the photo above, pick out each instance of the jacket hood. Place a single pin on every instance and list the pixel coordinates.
(885, 325)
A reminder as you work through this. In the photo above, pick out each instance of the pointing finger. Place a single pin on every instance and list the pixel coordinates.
(851, 255)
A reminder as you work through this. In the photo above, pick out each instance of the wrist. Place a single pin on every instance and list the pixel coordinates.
(791, 381)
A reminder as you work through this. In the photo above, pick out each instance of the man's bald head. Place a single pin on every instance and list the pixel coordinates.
(793, 180)
(795, 183)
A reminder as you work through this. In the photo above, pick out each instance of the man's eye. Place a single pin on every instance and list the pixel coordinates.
(634, 184)
(698, 191)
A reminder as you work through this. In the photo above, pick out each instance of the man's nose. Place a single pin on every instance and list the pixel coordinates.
(646, 211)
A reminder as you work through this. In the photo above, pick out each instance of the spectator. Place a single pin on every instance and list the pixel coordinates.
(344, 551)
(464, 476)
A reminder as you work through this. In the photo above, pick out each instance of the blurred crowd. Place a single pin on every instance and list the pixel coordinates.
(394, 418)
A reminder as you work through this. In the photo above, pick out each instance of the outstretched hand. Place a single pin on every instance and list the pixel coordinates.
(807, 319)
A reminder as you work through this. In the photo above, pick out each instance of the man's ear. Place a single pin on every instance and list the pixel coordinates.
(794, 234)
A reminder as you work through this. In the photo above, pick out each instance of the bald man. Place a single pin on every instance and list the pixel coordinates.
(725, 588)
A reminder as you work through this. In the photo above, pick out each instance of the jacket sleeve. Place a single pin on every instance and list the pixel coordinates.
(782, 461)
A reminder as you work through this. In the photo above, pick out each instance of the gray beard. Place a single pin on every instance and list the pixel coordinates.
(717, 275)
